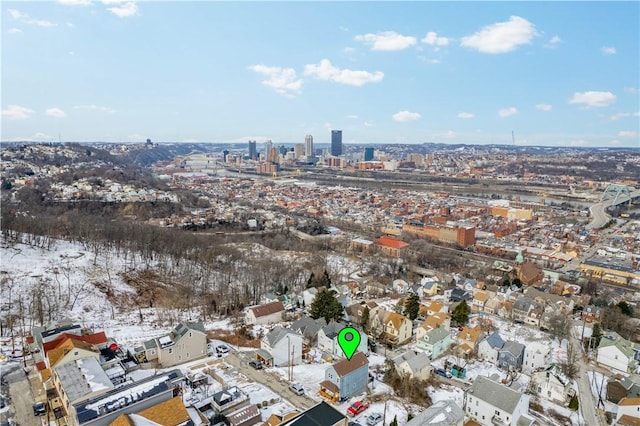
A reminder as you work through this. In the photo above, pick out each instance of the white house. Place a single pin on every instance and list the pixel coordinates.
(441, 413)
(617, 353)
(284, 346)
(268, 313)
(489, 346)
(328, 340)
(489, 403)
(413, 365)
(628, 412)
(553, 385)
(536, 356)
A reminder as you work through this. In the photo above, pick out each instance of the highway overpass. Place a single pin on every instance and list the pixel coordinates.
(612, 196)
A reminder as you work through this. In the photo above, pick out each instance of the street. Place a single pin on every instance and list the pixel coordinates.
(590, 416)
(273, 382)
(21, 398)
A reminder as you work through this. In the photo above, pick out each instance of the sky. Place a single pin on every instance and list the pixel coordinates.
(553, 73)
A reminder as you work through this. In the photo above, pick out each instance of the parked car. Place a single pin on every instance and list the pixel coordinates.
(374, 419)
(357, 408)
(296, 388)
(39, 409)
(256, 364)
(444, 373)
(222, 349)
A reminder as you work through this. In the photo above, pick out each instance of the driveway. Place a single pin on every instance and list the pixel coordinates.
(270, 380)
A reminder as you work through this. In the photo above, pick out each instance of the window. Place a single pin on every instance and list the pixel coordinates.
(170, 350)
(187, 355)
(190, 335)
(497, 413)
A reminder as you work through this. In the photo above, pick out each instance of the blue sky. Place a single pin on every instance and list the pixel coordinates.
(564, 73)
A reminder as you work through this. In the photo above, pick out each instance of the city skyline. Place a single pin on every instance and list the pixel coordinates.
(413, 72)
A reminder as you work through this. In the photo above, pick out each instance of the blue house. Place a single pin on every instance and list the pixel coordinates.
(435, 342)
(346, 378)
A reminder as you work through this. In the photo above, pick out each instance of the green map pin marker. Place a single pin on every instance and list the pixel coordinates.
(349, 339)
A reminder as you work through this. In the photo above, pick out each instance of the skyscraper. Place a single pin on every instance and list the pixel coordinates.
(308, 146)
(267, 150)
(368, 154)
(336, 143)
(253, 150)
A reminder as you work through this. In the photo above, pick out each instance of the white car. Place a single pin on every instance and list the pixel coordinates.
(222, 349)
(296, 388)
(374, 419)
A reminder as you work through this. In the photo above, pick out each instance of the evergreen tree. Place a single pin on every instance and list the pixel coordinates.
(517, 282)
(364, 321)
(625, 308)
(596, 335)
(311, 280)
(394, 422)
(412, 306)
(460, 314)
(325, 305)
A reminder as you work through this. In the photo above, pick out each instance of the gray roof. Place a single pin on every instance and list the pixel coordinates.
(277, 334)
(332, 329)
(82, 377)
(308, 326)
(513, 348)
(416, 362)
(523, 303)
(494, 393)
(495, 340)
(436, 335)
(442, 413)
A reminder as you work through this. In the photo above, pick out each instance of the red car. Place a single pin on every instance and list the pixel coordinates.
(357, 408)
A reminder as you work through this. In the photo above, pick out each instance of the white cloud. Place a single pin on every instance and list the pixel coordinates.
(593, 98)
(627, 134)
(352, 116)
(501, 37)
(368, 124)
(608, 50)
(544, 107)
(386, 40)
(432, 39)
(55, 112)
(94, 107)
(553, 42)
(75, 2)
(632, 90)
(449, 134)
(14, 30)
(17, 112)
(466, 115)
(404, 116)
(282, 80)
(620, 115)
(26, 19)
(326, 71)
(123, 9)
(507, 112)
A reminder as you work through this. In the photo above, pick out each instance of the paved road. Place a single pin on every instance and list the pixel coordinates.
(21, 398)
(270, 380)
(590, 416)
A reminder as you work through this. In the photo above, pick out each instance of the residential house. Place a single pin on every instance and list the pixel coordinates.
(247, 416)
(529, 273)
(432, 322)
(619, 386)
(171, 412)
(391, 327)
(400, 286)
(628, 412)
(479, 300)
(67, 350)
(229, 400)
(130, 398)
(355, 311)
(553, 385)
(562, 303)
(521, 308)
(283, 345)
(391, 246)
(328, 340)
(490, 403)
(428, 287)
(591, 313)
(413, 365)
(489, 346)
(468, 340)
(277, 419)
(268, 313)
(308, 328)
(346, 378)
(441, 413)
(434, 342)
(308, 296)
(535, 315)
(457, 294)
(375, 288)
(79, 379)
(186, 342)
(618, 353)
(492, 305)
(320, 414)
(510, 356)
(506, 310)
(536, 356)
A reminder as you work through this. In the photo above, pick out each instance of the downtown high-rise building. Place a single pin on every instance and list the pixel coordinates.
(253, 150)
(267, 149)
(336, 143)
(368, 154)
(308, 146)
